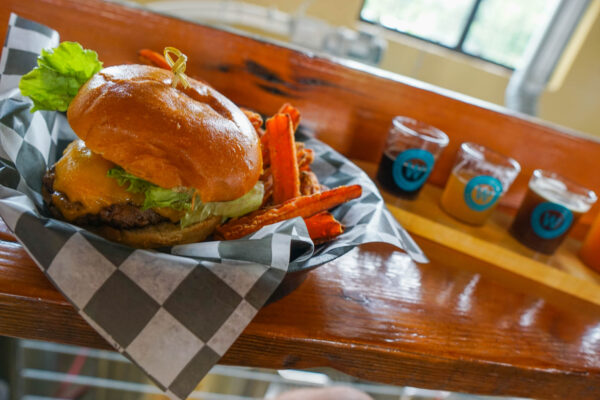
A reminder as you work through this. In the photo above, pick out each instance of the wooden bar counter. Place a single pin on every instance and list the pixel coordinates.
(456, 323)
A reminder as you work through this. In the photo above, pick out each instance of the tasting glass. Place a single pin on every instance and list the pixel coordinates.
(551, 207)
(410, 152)
(479, 178)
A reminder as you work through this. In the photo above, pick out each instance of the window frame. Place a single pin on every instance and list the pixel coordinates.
(459, 46)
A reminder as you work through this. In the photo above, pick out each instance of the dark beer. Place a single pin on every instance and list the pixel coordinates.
(547, 214)
(409, 155)
(385, 176)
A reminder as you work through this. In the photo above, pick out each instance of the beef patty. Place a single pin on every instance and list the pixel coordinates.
(121, 216)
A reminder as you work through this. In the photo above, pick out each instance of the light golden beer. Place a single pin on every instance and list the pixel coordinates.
(479, 178)
(453, 200)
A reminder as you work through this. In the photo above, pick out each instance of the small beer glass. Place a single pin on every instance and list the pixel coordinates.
(410, 153)
(479, 178)
(551, 207)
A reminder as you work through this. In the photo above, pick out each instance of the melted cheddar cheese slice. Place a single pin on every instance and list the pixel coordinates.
(82, 176)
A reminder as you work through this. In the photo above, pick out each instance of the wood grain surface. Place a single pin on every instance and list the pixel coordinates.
(492, 244)
(452, 324)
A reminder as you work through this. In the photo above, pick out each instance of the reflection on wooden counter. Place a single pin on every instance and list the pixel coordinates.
(493, 244)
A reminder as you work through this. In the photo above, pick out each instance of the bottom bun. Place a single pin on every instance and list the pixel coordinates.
(164, 234)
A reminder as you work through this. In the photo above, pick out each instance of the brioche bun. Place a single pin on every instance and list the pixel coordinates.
(165, 234)
(172, 137)
(193, 140)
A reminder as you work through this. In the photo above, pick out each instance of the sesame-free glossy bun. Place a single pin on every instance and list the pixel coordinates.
(165, 234)
(172, 137)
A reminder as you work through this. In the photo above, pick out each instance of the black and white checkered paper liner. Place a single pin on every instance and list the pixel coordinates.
(172, 313)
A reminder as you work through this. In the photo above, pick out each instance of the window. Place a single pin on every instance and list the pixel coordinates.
(494, 30)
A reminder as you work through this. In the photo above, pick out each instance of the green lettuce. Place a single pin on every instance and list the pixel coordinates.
(59, 75)
(159, 197)
(155, 196)
(227, 209)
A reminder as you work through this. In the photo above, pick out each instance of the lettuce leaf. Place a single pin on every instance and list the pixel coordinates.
(159, 197)
(227, 209)
(155, 196)
(136, 185)
(59, 75)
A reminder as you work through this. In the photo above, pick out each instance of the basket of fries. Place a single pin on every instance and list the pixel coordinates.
(174, 311)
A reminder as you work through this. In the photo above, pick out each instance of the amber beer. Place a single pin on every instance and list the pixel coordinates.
(454, 199)
(479, 178)
(552, 206)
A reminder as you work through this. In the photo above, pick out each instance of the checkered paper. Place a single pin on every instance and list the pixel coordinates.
(176, 312)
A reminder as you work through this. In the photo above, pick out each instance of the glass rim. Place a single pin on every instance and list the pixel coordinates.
(431, 134)
(588, 195)
(480, 152)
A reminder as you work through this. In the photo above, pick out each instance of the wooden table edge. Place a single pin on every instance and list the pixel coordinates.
(45, 321)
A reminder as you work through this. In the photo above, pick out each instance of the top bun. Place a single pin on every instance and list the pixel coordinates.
(172, 137)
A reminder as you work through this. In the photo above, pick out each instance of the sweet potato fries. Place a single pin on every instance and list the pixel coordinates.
(301, 206)
(291, 188)
(282, 152)
(151, 57)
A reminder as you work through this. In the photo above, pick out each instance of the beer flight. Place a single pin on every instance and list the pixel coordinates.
(479, 178)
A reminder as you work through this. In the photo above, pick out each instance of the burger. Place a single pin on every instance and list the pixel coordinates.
(156, 164)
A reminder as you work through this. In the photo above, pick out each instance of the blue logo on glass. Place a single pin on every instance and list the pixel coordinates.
(411, 169)
(550, 220)
(482, 192)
